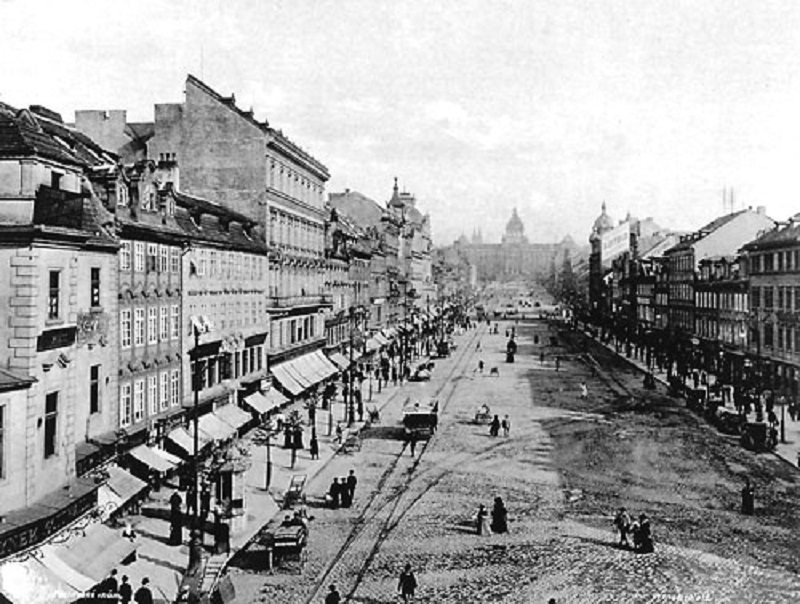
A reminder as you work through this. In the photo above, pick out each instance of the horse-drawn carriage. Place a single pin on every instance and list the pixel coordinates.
(759, 436)
(483, 415)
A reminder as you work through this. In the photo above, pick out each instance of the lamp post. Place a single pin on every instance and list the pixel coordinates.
(351, 414)
(195, 553)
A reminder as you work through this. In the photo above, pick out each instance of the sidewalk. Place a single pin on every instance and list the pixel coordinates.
(788, 451)
(165, 564)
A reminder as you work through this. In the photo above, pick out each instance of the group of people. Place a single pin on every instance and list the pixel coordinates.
(342, 491)
(499, 522)
(638, 529)
(497, 424)
(112, 590)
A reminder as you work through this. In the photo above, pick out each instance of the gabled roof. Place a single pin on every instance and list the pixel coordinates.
(705, 231)
(37, 132)
(781, 236)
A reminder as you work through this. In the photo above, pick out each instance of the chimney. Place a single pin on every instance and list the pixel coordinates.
(761, 210)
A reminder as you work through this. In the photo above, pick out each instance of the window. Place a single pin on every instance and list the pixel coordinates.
(163, 332)
(125, 407)
(94, 389)
(54, 295)
(175, 260)
(755, 297)
(175, 324)
(175, 388)
(768, 295)
(201, 262)
(138, 401)
(2, 442)
(164, 252)
(152, 257)
(138, 327)
(94, 288)
(768, 335)
(138, 256)
(125, 328)
(212, 263)
(55, 180)
(164, 383)
(152, 325)
(125, 256)
(50, 424)
(152, 394)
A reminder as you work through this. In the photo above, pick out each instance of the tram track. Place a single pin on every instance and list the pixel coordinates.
(383, 511)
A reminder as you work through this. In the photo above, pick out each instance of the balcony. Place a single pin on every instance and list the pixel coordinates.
(301, 300)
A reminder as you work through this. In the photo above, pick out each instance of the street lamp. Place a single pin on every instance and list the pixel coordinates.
(195, 550)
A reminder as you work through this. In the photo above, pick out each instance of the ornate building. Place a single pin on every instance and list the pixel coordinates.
(515, 257)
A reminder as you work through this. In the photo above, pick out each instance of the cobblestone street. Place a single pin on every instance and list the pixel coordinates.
(566, 466)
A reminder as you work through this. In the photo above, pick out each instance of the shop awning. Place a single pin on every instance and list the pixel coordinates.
(328, 369)
(380, 339)
(28, 581)
(214, 427)
(86, 559)
(184, 439)
(339, 360)
(257, 402)
(233, 415)
(286, 380)
(373, 345)
(120, 488)
(310, 368)
(150, 458)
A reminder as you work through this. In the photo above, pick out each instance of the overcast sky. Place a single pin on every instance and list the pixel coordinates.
(477, 106)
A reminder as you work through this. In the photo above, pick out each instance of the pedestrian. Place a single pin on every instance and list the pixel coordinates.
(313, 447)
(125, 591)
(478, 346)
(407, 584)
(494, 427)
(109, 586)
(412, 442)
(558, 362)
(339, 433)
(352, 481)
(394, 375)
(344, 493)
(499, 516)
(333, 493)
(506, 425)
(642, 537)
(481, 527)
(623, 523)
(584, 390)
(143, 594)
(541, 357)
(205, 502)
(333, 596)
(748, 498)
(480, 366)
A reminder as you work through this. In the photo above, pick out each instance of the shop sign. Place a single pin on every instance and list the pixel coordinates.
(56, 338)
(37, 531)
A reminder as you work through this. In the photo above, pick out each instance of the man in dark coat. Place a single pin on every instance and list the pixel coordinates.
(334, 493)
(499, 516)
(407, 584)
(175, 519)
(352, 481)
(143, 594)
(313, 447)
(333, 596)
(125, 591)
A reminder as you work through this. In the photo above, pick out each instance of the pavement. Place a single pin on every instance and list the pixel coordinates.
(788, 451)
(165, 564)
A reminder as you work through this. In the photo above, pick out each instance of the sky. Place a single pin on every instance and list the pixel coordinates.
(477, 107)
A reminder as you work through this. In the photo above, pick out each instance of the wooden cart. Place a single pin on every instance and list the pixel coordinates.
(295, 493)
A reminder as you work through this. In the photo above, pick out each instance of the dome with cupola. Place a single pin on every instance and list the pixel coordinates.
(515, 230)
(603, 223)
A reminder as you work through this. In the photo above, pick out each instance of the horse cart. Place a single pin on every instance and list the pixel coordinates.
(483, 415)
(285, 546)
(296, 492)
